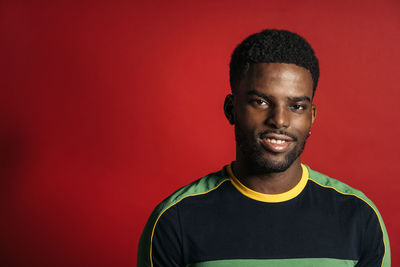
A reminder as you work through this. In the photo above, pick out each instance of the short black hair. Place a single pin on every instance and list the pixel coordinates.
(272, 46)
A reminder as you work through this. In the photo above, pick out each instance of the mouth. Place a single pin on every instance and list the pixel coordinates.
(276, 142)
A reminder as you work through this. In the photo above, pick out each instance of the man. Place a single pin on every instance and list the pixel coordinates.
(266, 208)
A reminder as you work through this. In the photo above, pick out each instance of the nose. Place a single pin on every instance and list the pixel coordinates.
(278, 117)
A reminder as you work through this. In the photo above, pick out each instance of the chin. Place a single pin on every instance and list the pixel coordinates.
(274, 165)
(267, 162)
(260, 163)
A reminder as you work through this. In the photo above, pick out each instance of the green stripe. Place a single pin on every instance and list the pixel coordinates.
(303, 262)
(345, 189)
(200, 186)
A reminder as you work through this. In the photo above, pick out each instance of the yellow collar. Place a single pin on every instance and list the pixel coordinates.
(292, 193)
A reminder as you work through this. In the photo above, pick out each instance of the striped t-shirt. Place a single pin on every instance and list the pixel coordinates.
(217, 221)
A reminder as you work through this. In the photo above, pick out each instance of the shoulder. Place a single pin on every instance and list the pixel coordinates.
(201, 186)
(341, 191)
(334, 184)
(372, 217)
(163, 223)
(341, 188)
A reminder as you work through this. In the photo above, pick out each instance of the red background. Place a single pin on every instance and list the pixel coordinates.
(109, 106)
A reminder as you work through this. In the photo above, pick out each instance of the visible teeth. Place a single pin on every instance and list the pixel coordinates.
(275, 141)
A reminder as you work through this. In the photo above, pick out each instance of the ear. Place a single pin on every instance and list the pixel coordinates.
(228, 109)
(314, 114)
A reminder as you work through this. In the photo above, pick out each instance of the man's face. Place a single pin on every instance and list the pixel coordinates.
(273, 115)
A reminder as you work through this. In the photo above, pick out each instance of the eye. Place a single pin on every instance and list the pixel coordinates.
(261, 102)
(298, 107)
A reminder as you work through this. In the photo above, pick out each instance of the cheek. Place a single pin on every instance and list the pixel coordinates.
(251, 121)
(302, 126)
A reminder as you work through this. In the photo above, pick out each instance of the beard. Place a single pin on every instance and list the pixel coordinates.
(254, 153)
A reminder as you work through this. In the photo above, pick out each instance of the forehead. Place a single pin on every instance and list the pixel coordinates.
(278, 79)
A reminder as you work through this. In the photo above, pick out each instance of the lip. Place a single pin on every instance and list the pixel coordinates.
(276, 143)
(278, 137)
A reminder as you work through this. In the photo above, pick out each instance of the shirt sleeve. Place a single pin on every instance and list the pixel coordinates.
(161, 242)
(375, 243)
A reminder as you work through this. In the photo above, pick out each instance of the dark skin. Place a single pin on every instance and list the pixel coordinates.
(272, 112)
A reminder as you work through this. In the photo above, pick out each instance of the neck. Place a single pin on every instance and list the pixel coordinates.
(268, 182)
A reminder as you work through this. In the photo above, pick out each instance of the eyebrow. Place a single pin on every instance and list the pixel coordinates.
(300, 98)
(294, 99)
(257, 93)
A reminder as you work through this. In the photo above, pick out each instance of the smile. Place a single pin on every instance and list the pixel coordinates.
(276, 141)
(275, 144)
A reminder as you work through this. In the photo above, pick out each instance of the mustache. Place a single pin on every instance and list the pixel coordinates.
(262, 134)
